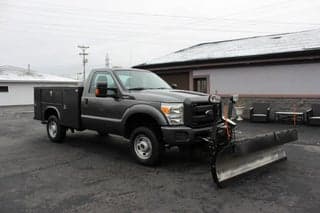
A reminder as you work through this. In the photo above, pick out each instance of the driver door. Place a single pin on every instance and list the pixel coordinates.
(101, 113)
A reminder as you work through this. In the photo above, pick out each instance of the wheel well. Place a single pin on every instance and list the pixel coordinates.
(49, 112)
(141, 119)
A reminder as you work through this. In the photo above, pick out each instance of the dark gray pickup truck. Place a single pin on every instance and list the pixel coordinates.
(135, 104)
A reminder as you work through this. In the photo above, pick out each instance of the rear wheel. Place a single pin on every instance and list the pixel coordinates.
(55, 131)
(146, 146)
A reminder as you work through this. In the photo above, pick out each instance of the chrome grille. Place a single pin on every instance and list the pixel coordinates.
(199, 117)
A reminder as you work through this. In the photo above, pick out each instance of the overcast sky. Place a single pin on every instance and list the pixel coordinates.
(46, 33)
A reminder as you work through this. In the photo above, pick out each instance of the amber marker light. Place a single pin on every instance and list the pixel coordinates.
(165, 109)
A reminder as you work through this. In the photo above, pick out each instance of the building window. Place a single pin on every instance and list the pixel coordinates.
(4, 89)
(200, 85)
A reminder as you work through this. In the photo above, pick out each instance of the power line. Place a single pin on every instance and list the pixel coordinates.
(103, 33)
(94, 35)
(117, 24)
(70, 11)
(117, 27)
(61, 29)
(59, 6)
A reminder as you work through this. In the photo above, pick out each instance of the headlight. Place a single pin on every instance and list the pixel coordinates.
(214, 99)
(173, 112)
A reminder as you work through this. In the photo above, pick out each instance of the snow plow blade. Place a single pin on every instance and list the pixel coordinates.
(251, 153)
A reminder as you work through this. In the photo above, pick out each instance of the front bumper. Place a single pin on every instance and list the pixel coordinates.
(183, 135)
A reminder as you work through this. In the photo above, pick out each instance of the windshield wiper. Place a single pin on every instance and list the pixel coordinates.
(159, 88)
(144, 88)
(138, 88)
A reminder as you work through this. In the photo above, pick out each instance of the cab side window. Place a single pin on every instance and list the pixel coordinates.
(102, 77)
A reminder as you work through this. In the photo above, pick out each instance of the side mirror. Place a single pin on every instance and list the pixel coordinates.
(101, 89)
(174, 86)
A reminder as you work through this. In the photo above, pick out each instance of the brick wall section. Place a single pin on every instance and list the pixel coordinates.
(277, 104)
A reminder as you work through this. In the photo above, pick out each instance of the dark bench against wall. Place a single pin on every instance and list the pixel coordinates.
(313, 115)
(260, 112)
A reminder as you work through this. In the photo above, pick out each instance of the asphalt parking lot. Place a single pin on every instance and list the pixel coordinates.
(89, 173)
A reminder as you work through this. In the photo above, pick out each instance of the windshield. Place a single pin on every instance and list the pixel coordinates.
(140, 80)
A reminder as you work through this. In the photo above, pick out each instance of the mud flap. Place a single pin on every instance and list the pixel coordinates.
(249, 154)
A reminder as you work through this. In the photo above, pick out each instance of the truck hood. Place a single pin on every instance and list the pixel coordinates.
(165, 95)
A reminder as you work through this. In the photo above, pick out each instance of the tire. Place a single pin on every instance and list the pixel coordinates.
(56, 132)
(146, 146)
(102, 133)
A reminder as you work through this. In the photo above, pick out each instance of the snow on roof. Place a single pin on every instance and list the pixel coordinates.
(17, 74)
(253, 46)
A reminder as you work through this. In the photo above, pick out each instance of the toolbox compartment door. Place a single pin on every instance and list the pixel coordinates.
(71, 99)
(65, 100)
(37, 104)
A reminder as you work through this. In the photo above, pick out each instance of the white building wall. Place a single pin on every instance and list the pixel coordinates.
(21, 93)
(264, 80)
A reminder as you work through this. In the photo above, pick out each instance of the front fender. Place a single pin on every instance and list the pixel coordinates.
(145, 109)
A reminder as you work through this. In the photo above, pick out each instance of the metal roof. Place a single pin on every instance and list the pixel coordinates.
(244, 47)
(17, 74)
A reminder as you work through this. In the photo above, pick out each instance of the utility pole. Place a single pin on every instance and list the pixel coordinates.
(84, 59)
(107, 60)
(28, 70)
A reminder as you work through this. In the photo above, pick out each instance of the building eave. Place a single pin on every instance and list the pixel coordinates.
(253, 59)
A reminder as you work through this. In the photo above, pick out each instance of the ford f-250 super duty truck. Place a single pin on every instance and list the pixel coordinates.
(135, 104)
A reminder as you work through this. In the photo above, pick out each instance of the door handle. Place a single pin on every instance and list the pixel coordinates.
(86, 101)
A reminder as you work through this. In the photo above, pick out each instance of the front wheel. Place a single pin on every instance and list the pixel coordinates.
(56, 132)
(146, 146)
